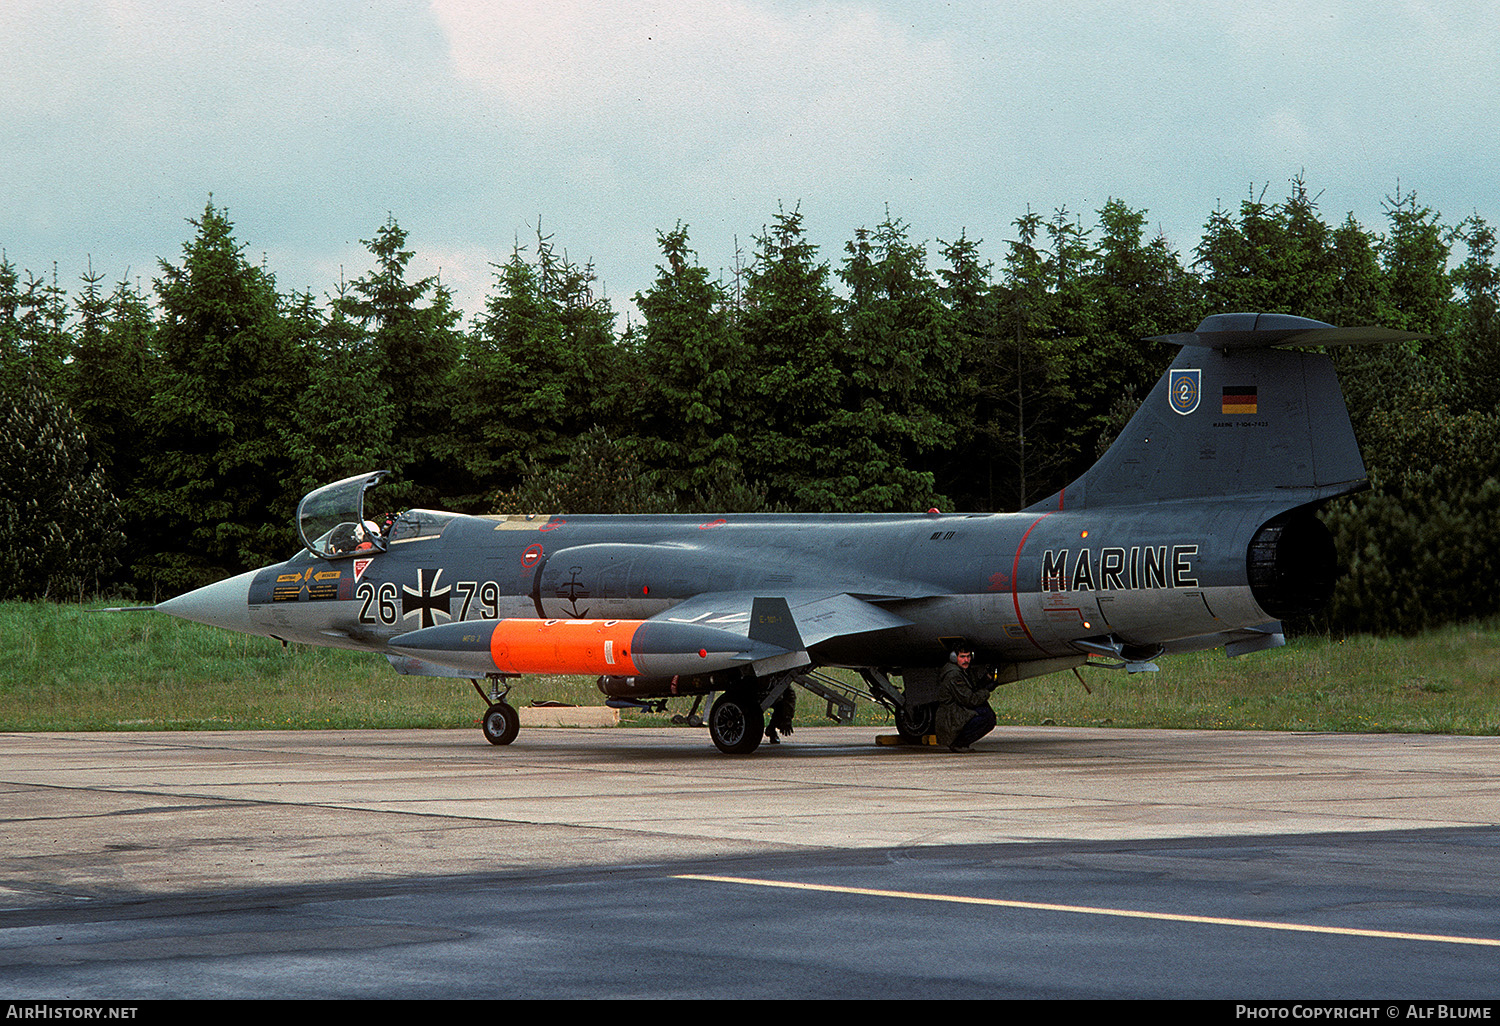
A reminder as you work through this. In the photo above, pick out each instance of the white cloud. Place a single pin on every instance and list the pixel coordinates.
(684, 79)
(467, 120)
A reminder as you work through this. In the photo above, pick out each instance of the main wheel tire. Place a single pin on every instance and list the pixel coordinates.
(914, 722)
(736, 724)
(501, 724)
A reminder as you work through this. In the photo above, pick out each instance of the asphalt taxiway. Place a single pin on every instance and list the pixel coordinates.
(640, 862)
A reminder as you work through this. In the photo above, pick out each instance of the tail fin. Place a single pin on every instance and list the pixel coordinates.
(1236, 415)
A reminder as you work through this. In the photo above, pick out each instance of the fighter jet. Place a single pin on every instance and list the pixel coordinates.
(1195, 530)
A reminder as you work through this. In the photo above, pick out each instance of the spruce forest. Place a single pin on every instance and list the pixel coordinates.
(158, 438)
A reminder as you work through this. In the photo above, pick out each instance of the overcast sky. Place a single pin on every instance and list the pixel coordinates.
(468, 120)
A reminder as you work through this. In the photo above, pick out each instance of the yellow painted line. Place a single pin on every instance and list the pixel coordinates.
(1124, 913)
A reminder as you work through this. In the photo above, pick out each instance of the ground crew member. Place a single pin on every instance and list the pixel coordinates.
(964, 716)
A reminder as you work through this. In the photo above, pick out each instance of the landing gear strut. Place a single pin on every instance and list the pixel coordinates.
(915, 718)
(501, 722)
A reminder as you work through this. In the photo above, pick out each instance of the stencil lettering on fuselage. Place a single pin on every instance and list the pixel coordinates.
(1114, 568)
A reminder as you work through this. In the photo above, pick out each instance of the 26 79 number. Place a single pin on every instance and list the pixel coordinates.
(382, 603)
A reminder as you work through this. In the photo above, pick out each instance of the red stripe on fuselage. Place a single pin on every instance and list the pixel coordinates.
(1015, 580)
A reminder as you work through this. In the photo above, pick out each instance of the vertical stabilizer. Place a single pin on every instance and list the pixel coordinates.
(1235, 415)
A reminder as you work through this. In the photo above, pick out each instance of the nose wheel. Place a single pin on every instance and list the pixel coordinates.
(501, 723)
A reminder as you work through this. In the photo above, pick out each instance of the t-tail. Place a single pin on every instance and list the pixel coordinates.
(1239, 414)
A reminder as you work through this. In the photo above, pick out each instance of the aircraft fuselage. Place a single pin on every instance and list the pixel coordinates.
(1019, 587)
(1195, 529)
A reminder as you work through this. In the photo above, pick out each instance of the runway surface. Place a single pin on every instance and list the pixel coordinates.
(1051, 862)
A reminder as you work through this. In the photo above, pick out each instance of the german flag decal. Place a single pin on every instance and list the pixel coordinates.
(1240, 399)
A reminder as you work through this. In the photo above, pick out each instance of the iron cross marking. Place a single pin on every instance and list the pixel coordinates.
(426, 598)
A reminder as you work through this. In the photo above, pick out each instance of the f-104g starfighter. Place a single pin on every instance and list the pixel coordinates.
(1196, 529)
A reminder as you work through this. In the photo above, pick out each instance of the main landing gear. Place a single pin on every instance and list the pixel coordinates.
(737, 719)
(501, 722)
(736, 723)
(915, 719)
(914, 722)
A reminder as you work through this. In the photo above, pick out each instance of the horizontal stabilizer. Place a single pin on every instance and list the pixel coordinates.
(1262, 331)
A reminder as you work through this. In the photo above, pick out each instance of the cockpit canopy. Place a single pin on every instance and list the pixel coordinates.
(332, 520)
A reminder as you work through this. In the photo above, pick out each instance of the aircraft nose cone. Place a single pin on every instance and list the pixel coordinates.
(225, 604)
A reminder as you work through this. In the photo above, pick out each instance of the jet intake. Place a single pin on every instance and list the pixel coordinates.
(1292, 565)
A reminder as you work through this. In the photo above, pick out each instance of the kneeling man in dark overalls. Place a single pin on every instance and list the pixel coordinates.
(965, 715)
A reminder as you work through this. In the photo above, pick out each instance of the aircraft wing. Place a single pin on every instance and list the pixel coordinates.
(815, 616)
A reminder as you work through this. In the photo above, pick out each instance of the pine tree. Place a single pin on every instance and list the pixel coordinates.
(414, 348)
(107, 381)
(791, 332)
(1236, 258)
(541, 369)
(1478, 282)
(687, 363)
(893, 411)
(1141, 290)
(62, 534)
(1029, 379)
(1414, 255)
(217, 498)
(965, 471)
(345, 419)
(33, 338)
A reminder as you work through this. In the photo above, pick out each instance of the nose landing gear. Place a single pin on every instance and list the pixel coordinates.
(501, 722)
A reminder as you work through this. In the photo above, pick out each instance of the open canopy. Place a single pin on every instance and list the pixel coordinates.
(331, 520)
